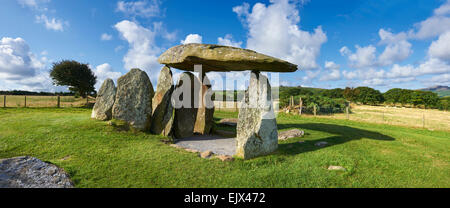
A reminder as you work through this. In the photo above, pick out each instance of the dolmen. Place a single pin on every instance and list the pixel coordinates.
(185, 109)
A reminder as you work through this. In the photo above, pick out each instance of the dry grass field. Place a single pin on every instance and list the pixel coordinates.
(43, 101)
(430, 119)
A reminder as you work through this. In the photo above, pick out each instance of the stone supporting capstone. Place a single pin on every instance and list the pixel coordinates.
(257, 127)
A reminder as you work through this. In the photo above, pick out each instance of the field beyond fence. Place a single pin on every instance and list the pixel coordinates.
(43, 101)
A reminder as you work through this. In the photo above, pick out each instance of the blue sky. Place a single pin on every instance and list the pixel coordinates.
(381, 44)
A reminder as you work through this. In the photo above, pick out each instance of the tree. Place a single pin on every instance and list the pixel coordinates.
(333, 93)
(393, 95)
(367, 95)
(79, 77)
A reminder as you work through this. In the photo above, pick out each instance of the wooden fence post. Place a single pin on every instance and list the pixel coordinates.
(301, 106)
(59, 102)
(25, 101)
(4, 101)
(346, 112)
(314, 109)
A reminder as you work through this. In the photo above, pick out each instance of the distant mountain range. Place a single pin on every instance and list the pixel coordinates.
(442, 91)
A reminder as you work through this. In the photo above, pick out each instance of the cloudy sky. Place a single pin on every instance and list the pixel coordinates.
(381, 44)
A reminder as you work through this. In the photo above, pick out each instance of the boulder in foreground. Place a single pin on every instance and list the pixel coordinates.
(222, 58)
(30, 172)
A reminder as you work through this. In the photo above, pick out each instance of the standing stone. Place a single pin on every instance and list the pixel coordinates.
(185, 95)
(134, 99)
(205, 113)
(104, 101)
(257, 127)
(162, 117)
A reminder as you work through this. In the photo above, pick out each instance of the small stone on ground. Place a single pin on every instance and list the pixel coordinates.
(206, 154)
(284, 135)
(218, 145)
(321, 144)
(333, 167)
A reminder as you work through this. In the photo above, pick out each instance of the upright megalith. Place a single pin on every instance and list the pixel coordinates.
(133, 103)
(162, 118)
(185, 97)
(257, 127)
(205, 113)
(104, 101)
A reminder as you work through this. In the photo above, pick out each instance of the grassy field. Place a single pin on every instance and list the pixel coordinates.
(43, 101)
(431, 119)
(97, 155)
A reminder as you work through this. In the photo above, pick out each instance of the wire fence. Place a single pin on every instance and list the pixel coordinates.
(36, 101)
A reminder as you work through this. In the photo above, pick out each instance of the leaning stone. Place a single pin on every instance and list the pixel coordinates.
(321, 144)
(205, 113)
(162, 118)
(185, 111)
(206, 154)
(30, 172)
(284, 135)
(133, 103)
(104, 102)
(332, 167)
(257, 127)
(222, 58)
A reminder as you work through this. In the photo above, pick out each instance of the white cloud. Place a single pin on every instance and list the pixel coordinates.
(435, 25)
(441, 47)
(397, 49)
(105, 37)
(51, 24)
(20, 69)
(362, 58)
(145, 8)
(443, 79)
(16, 59)
(192, 38)
(105, 71)
(143, 51)
(39, 5)
(274, 30)
(228, 41)
(332, 72)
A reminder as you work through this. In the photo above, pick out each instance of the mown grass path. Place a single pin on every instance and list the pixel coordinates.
(97, 155)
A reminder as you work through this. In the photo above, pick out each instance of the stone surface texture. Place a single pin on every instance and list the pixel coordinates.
(257, 127)
(104, 102)
(222, 58)
(162, 117)
(134, 100)
(30, 172)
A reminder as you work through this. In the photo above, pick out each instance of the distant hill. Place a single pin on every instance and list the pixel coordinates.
(442, 91)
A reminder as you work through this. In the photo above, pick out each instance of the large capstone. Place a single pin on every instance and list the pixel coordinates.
(185, 101)
(162, 118)
(134, 100)
(222, 58)
(257, 127)
(205, 113)
(104, 101)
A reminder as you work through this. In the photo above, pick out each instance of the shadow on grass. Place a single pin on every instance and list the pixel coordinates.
(342, 134)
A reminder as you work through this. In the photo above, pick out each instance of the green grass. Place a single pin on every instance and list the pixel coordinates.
(97, 155)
